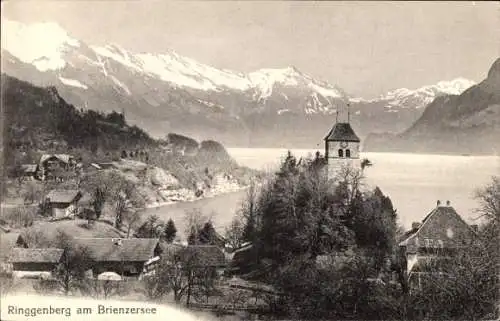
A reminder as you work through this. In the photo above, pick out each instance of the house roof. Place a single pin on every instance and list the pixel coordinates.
(439, 210)
(342, 132)
(7, 242)
(205, 255)
(29, 168)
(63, 196)
(62, 157)
(110, 250)
(45, 255)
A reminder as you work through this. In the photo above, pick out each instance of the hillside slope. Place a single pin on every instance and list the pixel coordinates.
(37, 121)
(468, 123)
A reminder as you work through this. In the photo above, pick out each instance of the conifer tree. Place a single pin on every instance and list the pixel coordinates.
(170, 231)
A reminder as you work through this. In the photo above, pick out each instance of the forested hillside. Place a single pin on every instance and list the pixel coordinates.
(37, 118)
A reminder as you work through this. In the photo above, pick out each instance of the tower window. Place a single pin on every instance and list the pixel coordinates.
(341, 153)
(348, 153)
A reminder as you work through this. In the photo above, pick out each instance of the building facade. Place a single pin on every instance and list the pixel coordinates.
(342, 149)
(440, 235)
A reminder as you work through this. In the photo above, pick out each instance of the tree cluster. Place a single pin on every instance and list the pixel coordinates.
(37, 117)
(329, 245)
(153, 227)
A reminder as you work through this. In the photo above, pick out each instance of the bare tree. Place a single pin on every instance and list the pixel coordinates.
(234, 233)
(32, 193)
(132, 218)
(489, 200)
(194, 220)
(35, 238)
(70, 273)
(180, 272)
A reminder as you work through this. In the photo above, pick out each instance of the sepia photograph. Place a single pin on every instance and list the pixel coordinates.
(249, 160)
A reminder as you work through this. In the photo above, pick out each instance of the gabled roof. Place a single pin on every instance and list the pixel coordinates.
(63, 196)
(28, 168)
(205, 255)
(342, 132)
(118, 250)
(62, 157)
(7, 242)
(45, 255)
(439, 210)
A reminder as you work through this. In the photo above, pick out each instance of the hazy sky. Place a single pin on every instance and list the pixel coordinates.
(366, 48)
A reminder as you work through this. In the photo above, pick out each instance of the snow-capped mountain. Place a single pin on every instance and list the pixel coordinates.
(421, 97)
(166, 91)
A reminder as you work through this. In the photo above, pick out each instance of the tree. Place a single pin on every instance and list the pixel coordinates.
(170, 231)
(465, 284)
(234, 233)
(131, 218)
(181, 272)
(153, 227)
(194, 220)
(70, 273)
(207, 234)
(32, 193)
(365, 163)
(249, 212)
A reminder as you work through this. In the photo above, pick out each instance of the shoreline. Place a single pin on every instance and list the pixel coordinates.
(211, 195)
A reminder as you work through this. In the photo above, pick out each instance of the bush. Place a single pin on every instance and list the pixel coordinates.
(22, 216)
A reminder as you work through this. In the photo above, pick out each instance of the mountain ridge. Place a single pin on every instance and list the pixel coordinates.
(466, 123)
(159, 91)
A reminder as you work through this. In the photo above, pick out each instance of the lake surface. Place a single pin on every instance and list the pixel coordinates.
(414, 182)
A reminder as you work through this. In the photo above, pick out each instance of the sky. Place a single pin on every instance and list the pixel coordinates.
(367, 48)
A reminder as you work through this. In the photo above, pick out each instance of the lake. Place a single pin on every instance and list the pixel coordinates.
(414, 182)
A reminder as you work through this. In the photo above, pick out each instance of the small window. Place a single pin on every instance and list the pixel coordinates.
(341, 153)
(348, 153)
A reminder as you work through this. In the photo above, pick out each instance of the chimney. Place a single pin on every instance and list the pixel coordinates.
(448, 203)
(415, 225)
(438, 203)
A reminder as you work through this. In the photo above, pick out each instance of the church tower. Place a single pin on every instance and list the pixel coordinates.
(341, 146)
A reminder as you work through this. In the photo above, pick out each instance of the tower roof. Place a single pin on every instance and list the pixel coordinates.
(342, 132)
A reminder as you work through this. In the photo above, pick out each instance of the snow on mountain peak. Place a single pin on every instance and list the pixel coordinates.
(455, 86)
(41, 44)
(424, 95)
(265, 79)
(46, 46)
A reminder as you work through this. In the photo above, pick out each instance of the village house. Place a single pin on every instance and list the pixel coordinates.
(206, 256)
(56, 166)
(436, 239)
(126, 257)
(28, 171)
(35, 262)
(63, 203)
(9, 241)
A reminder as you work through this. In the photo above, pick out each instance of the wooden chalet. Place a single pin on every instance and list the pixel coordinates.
(8, 242)
(56, 166)
(63, 202)
(127, 257)
(35, 262)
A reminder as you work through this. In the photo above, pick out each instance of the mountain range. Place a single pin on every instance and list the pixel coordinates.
(468, 123)
(167, 92)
